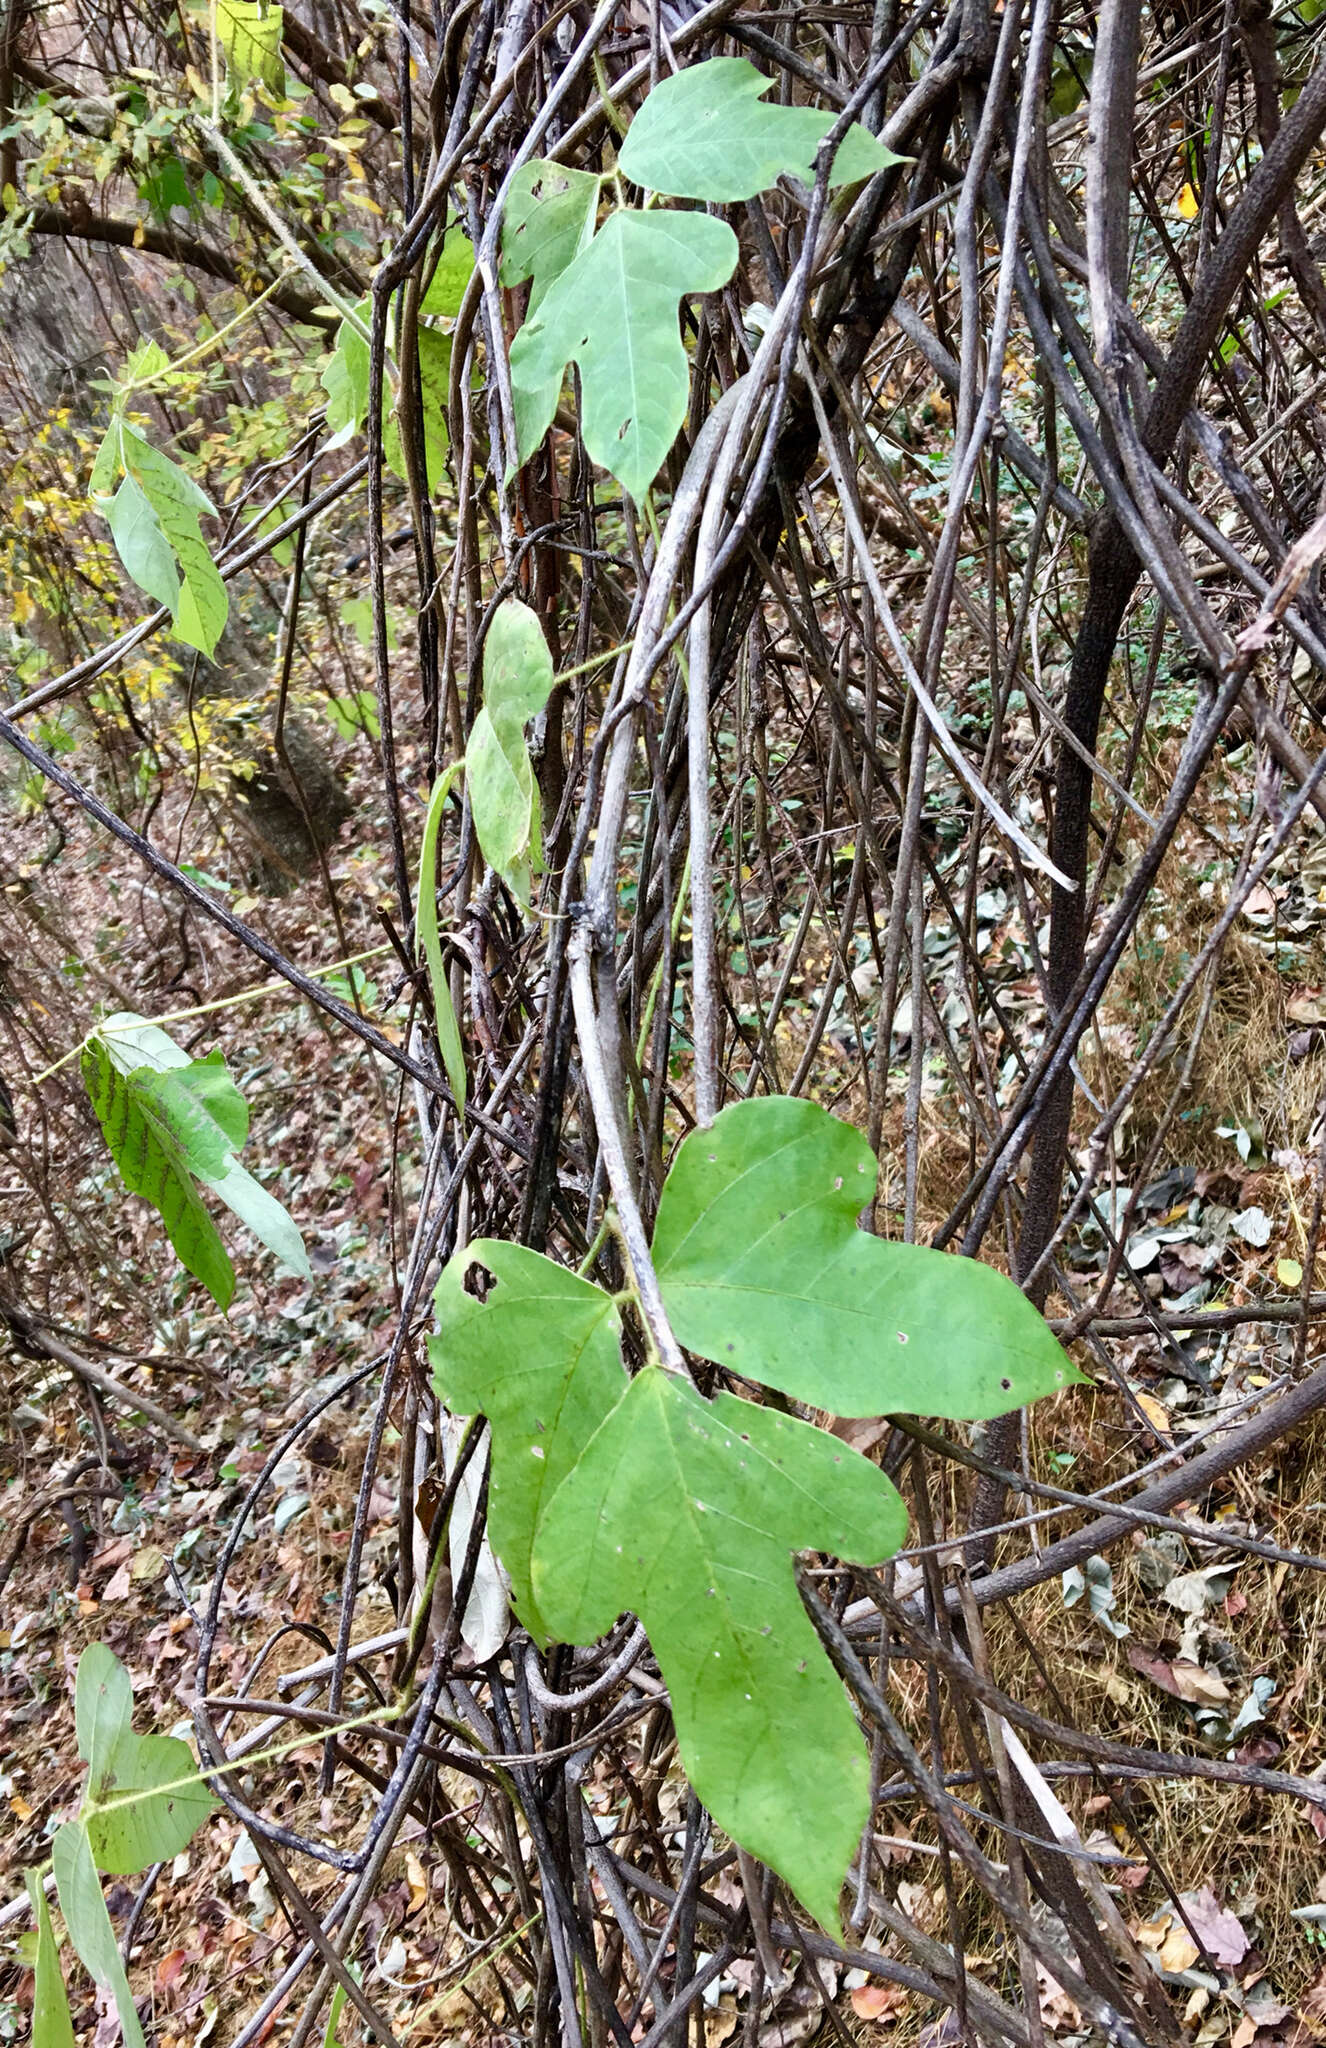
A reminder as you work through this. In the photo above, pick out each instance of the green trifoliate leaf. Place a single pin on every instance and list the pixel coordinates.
(706, 133)
(549, 219)
(51, 2024)
(89, 1925)
(614, 312)
(517, 682)
(686, 1512)
(162, 493)
(430, 944)
(540, 1358)
(250, 34)
(764, 1271)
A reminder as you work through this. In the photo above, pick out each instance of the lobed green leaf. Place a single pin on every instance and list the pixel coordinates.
(706, 133)
(764, 1271)
(686, 1512)
(549, 219)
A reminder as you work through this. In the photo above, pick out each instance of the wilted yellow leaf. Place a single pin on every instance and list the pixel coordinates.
(1156, 1413)
(418, 1880)
(1189, 205)
(1289, 1273)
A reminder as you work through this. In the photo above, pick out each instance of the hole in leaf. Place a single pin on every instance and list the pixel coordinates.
(903, 1337)
(1007, 1386)
(479, 1281)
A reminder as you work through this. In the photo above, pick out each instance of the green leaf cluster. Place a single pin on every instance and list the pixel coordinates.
(608, 301)
(171, 1121)
(143, 1802)
(611, 1494)
(154, 520)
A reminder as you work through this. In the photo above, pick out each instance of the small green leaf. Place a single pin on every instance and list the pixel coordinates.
(90, 1930)
(615, 313)
(455, 268)
(354, 714)
(345, 381)
(517, 681)
(706, 133)
(51, 2024)
(151, 1163)
(141, 544)
(105, 465)
(434, 388)
(549, 219)
(517, 667)
(764, 1271)
(540, 1357)
(169, 1120)
(686, 1512)
(250, 34)
(103, 1705)
(201, 604)
(426, 931)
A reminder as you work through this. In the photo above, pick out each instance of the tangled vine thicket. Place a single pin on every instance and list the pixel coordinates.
(942, 736)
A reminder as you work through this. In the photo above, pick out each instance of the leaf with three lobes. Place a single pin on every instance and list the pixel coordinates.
(517, 682)
(89, 1925)
(201, 605)
(549, 219)
(430, 945)
(706, 133)
(51, 2024)
(250, 34)
(541, 1359)
(434, 350)
(686, 1512)
(614, 312)
(764, 1271)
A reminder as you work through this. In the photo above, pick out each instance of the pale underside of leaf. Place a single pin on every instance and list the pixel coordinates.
(141, 544)
(764, 1271)
(686, 1513)
(541, 1359)
(549, 219)
(170, 1803)
(517, 665)
(614, 312)
(706, 133)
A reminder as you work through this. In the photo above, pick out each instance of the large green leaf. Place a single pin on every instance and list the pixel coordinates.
(687, 1512)
(764, 1271)
(89, 1924)
(103, 1706)
(175, 501)
(549, 219)
(706, 133)
(51, 2024)
(614, 312)
(540, 1358)
(249, 31)
(430, 945)
(504, 799)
